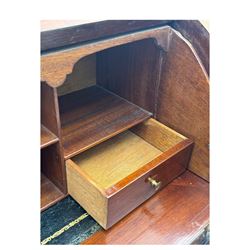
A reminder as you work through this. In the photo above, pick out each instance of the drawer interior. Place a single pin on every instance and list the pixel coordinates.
(113, 160)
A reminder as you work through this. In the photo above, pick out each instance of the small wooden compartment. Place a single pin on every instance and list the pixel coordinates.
(47, 137)
(116, 176)
(92, 115)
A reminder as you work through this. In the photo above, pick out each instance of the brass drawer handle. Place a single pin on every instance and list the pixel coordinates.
(154, 183)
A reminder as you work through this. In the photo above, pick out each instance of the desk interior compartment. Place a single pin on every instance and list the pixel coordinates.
(114, 177)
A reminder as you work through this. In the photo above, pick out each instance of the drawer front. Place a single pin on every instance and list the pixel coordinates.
(111, 205)
(136, 188)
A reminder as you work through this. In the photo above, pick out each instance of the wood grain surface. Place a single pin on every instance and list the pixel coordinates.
(183, 101)
(53, 167)
(115, 159)
(49, 109)
(83, 76)
(57, 65)
(93, 115)
(197, 35)
(52, 163)
(157, 134)
(118, 171)
(87, 193)
(132, 191)
(176, 215)
(131, 71)
(58, 33)
(47, 137)
(50, 194)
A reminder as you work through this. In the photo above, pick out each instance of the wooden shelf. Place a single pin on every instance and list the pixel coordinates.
(93, 115)
(47, 137)
(50, 194)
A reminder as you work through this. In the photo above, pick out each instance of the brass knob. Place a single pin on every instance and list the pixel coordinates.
(154, 183)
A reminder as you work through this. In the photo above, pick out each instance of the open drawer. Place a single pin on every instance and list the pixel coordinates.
(116, 176)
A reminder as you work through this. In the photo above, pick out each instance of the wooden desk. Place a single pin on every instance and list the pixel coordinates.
(165, 71)
(178, 214)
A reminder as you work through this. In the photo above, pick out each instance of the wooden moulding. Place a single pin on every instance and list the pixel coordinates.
(93, 115)
(56, 66)
(59, 33)
(124, 185)
(83, 76)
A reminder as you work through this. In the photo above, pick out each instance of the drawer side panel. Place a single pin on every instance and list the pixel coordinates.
(86, 194)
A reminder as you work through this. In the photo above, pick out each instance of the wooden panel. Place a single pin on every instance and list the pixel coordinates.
(83, 76)
(183, 102)
(88, 30)
(47, 137)
(56, 66)
(50, 194)
(176, 215)
(53, 166)
(111, 161)
(93, 115)
(157, 134)
(49, 109)
(52, 157)
(164, 169)
(197, 35)
(86, 193)
(131, 71)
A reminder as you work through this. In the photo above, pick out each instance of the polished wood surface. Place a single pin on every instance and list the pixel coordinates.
(52, 164)
(47, 137)
(131, 71)
(119, 169)
(49, 109)
(132, 191)
(87, 193)
(157, 134)
(57, 65)
(113, 160)
(176, 215)
(183, 100)
(50, 194)
(83, 76)
(61, 33)
(197, 35)
(93, 115)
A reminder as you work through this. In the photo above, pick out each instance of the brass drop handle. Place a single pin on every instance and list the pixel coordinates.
(154, 183)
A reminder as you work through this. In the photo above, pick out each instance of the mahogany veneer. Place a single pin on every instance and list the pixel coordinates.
(93, 115)
(115, 155)
(47, 137)
(178, 214)
(50, 194)
(113, 178)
